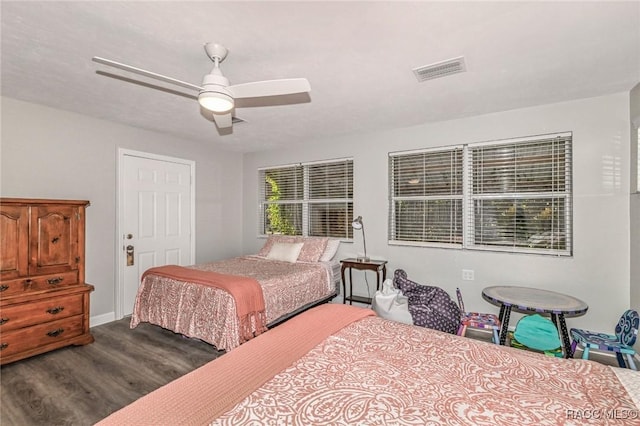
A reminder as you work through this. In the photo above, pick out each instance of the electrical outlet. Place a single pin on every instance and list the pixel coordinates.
(467, 275)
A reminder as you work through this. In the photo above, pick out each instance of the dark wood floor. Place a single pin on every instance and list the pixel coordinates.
(81, 385)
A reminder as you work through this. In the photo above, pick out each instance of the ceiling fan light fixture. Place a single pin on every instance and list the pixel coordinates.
(215, 94)
(215, 101)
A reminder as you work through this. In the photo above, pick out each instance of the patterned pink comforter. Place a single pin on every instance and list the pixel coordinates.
(378, 372)
(209, 313)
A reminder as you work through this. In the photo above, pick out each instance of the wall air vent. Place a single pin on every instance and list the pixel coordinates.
(440, 69)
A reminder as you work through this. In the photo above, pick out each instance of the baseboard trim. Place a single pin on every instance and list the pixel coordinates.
(102, 319)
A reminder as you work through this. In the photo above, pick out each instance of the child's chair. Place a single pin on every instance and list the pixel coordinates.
(620, 343)
(477, 320)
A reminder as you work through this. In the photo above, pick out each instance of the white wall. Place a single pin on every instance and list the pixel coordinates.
(635, 201)
(49, 153)
(598, 272)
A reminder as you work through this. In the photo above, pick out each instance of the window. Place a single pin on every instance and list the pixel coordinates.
(310, 199)
(426, 193)
(506, 195)
(520, 195)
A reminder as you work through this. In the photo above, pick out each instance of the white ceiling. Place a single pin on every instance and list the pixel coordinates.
(358, 57)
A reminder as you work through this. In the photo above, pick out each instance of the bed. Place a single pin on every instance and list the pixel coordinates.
(288, 275)
(339, 364)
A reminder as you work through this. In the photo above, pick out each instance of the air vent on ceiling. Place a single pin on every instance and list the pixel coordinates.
(440, 69)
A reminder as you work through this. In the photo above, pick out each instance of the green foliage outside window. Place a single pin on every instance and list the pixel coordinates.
(278, 224)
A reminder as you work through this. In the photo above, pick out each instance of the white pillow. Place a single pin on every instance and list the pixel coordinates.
(330, 251)
(286, 252)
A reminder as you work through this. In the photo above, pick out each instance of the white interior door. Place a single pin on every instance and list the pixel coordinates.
(156, 218)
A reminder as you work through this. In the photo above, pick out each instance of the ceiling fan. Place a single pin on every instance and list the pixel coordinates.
(216, 94)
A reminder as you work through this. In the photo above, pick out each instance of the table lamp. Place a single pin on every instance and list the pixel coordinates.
(357, 224)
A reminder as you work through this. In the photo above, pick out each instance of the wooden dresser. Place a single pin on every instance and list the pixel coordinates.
(44, 301)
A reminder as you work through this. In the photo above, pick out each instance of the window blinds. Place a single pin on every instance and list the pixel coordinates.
(426, 196)
(519, 195)
(330, 199)
(282, 191)
(510, 195)
(310, 199)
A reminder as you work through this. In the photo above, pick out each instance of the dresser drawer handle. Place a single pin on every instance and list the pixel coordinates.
(55, 310)
(54, 281)
(4, 320)
(4, 287)
(55, 333)
(3, 346)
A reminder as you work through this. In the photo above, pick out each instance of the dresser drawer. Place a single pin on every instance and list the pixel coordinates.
(43, 282)
(41, 335)
(27, 314)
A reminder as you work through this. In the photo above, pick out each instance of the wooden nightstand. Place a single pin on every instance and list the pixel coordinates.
(377, 266)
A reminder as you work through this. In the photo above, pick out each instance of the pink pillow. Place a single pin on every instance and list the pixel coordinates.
(312, 249)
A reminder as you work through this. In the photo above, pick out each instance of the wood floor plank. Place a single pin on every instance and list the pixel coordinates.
(81, 385)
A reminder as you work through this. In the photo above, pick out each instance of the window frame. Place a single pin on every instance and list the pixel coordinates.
(468, 208)
(637, 132)
(306, 202)
(392, 229)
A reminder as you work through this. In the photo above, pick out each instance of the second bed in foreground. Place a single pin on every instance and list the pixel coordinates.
(338, 364)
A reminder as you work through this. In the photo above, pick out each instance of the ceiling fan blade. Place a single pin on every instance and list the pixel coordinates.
(270, 88)
(145, 73)
(223, 120)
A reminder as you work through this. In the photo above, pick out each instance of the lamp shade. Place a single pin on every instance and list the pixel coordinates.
(357, 223)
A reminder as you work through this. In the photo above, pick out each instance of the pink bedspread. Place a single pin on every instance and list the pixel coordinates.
(378, 372)
(213, 389)
(209, 313)
(246, 293)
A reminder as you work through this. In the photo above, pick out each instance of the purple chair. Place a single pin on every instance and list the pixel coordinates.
(477, 320)
(620, 343)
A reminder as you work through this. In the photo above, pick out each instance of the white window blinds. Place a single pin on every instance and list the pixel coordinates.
(282, 192)
(519, 195)
(506, 195)
(426, 196)
(311, 199)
